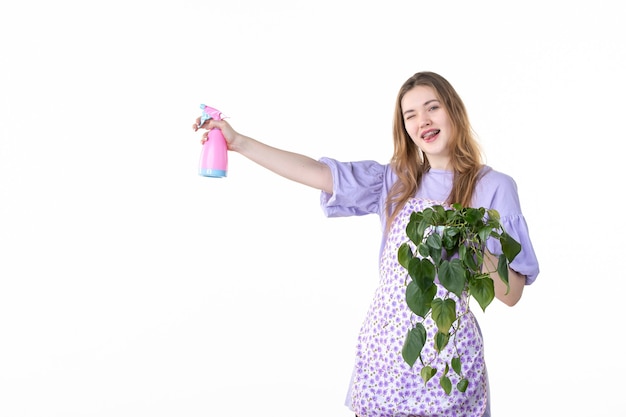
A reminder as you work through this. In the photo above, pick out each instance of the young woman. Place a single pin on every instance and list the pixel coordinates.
(436, 160)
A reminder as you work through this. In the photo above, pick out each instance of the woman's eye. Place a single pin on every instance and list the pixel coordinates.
(433, 108)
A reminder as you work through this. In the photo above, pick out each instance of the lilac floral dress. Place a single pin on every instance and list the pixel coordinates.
(382, 384)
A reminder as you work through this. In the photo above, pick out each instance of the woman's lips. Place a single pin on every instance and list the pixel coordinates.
(430, 135)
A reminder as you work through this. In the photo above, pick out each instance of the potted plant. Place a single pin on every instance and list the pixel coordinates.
(448, 244)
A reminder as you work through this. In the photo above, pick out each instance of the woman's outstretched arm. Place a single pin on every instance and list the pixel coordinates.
(293, 166)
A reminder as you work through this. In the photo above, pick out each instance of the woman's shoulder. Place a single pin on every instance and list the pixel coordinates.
(493, 178)
(497, 190)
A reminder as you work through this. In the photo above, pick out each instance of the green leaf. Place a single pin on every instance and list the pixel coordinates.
(425, 222)
(462, 385)
(405, 254)
(452, 276)
(412, 227)
(482, 289)
(450, 239)
(484, 233)
(423, 250)
(419, 300)
(441, 341)
(474, 216)
(446, 384)
(440, 213)
(503, 271)
(422, 271)
(470, 261)
(434, 243)
(493, 215)
(451, 232)
(413, 344)
(427, 373)
(462, 249)
(444, 313)
(456, 365)
(510, 246)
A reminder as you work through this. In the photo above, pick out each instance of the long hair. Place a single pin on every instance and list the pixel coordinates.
(410, 164)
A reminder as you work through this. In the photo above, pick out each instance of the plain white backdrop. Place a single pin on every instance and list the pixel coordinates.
(131, 286)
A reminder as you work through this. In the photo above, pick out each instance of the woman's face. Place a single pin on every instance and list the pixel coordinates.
(428, 124)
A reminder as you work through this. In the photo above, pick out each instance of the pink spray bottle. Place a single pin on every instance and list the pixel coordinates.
(214, 157)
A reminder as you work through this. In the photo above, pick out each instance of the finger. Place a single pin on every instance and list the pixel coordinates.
(197, 125)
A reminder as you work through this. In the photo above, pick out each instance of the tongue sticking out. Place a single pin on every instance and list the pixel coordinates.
(430, 135)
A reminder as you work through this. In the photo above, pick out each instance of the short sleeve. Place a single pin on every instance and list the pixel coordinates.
(358, 188)
(499, 191)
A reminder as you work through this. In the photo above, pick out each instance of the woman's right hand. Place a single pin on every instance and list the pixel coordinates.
(229, 133)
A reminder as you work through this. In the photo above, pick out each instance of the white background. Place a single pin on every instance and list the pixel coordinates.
(131, 286)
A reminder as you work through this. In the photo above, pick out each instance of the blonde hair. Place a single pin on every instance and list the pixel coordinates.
(410, 164)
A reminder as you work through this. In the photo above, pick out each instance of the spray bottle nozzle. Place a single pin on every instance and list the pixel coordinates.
(209, 113)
